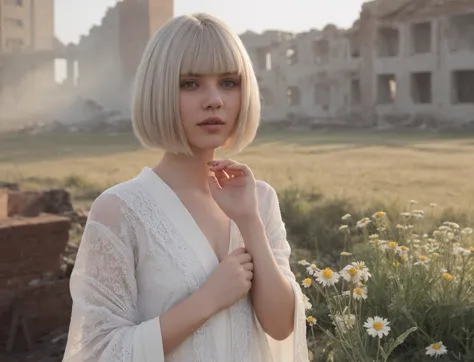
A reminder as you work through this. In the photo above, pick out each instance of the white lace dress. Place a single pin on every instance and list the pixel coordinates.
(142, 253)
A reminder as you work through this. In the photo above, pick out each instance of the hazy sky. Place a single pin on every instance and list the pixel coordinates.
(75, 17)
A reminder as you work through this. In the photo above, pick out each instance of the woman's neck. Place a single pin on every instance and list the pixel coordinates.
(183, 172)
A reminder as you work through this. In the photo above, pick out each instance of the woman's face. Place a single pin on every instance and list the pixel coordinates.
(209, 106)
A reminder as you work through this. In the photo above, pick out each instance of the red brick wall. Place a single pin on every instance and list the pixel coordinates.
(47, 308)
(30, 248)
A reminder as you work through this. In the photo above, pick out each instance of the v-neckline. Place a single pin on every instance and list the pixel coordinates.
(192, 220)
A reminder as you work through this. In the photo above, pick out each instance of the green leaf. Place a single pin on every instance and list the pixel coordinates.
(400, 340)
(384, 354)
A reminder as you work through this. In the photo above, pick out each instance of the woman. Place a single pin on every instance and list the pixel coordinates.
(189, 261)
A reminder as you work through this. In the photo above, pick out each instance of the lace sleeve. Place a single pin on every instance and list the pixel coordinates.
(104, 322)
(294, 348)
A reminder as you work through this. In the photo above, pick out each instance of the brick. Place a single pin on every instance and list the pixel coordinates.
(30, 248)
(3, 203)
(25, 203)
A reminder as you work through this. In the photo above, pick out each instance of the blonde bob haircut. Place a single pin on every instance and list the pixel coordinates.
(190, 44)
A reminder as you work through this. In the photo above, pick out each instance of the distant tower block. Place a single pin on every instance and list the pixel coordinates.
(139, 21)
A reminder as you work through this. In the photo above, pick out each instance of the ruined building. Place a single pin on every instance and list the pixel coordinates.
(108, 56)
(26, 45)
(402, 59)
(100, 68)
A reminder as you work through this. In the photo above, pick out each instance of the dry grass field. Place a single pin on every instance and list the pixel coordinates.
(362, 167)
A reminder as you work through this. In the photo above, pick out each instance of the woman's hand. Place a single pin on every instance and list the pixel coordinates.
(230, 281)
(233, 187)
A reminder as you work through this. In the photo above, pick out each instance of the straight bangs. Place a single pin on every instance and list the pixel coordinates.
(209, 51)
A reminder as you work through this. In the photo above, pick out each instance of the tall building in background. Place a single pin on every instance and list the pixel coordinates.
(107, 57)
(26, 25)
(27, 45)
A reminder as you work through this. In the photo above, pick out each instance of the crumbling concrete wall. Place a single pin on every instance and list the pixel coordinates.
(108, 56)
(428, 70)
(400, 59)
(303, 76)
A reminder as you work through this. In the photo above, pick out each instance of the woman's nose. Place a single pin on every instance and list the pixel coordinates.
(213, 98)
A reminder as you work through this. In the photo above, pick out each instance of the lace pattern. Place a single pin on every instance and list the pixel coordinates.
(161, 229)
(115, 290)
(125, 223)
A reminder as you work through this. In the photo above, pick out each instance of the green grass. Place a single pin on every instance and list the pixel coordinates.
(362, 167)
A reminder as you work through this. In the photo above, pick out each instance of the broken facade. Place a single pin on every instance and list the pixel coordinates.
(400, 59)
(26, 43)
(106, 58)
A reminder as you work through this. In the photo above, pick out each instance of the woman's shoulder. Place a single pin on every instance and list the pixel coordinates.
(265, 190)
(113, 200)
(267, 197)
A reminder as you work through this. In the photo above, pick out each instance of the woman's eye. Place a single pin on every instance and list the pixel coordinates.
(188, 84)
(228, 83)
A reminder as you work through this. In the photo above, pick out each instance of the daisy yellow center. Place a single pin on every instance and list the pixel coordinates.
(327, 273)
(423, 258)
(378, 326)
(309, 319)
(380, 214)
(352, 272)
(358, 291)
(436, 346)
(307, 281)
(403, 248)
(447, 276)
(313, 266)
(392, 244)
(364, 219)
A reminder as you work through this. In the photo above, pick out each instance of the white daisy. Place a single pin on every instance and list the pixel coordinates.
(351, 274)
(307, 303)
(436, 349)
(303, 262)
(343, 227)
(377, 326)
(311, 320)
(422, 260)
(311, 269)
(359, 293)
(363, 222)
(379, 215)
(346, 217)
(402, 250)
(307, 282)
(364, 271)
(327, 277)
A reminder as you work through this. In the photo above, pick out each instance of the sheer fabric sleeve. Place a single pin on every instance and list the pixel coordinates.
(104, 322)
(294, 348)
